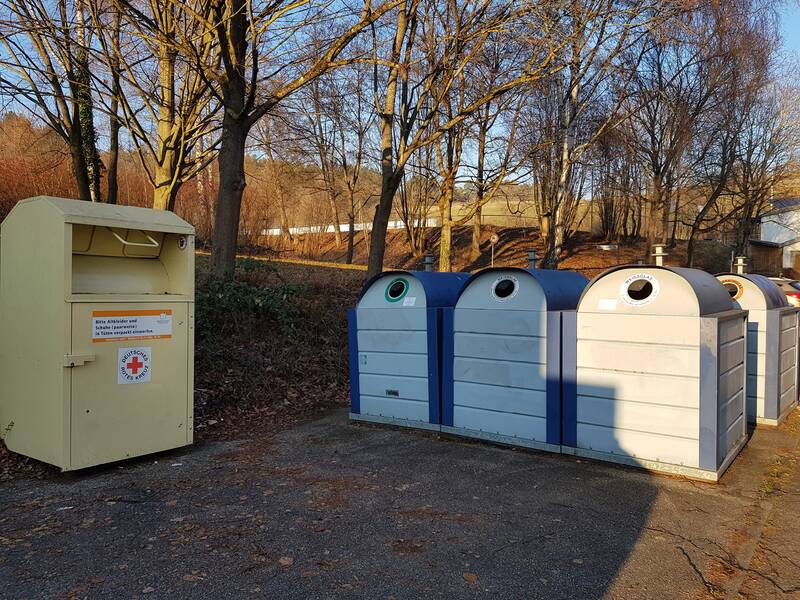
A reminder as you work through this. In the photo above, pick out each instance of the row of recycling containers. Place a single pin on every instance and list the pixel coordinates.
(654, 366)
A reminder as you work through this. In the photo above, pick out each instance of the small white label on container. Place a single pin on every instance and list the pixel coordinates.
(607, 304)
(134, 365)
(409, 301)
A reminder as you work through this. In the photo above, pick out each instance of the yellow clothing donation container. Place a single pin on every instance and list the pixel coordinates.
(96, 331)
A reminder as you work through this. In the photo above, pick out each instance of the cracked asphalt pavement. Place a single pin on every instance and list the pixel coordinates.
(335, 510)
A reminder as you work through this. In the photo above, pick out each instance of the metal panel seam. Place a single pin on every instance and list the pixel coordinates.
(434, 365)
(553, 374)
(569, 387)
(448, 352)
(352, 340)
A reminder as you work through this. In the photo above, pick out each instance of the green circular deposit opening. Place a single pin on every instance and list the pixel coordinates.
(396, 289)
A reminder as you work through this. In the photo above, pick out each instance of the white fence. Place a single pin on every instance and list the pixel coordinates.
(344, 227)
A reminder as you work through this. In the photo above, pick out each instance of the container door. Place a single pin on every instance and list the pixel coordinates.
(132, 398)
(500, 372)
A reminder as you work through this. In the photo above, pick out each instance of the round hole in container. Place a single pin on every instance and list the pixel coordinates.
(732, 288)
(504, 288)
(640, 289)
(396, 289)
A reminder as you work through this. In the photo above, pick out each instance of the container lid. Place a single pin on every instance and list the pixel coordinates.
(655, 290)
(81, 212)
(441, 289)
(738, 285)
(562, 289)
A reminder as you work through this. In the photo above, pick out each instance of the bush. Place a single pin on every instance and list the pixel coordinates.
(712, 256)
(222, 304)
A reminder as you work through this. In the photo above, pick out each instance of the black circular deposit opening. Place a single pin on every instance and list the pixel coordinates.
(504, 288)
(640, 289)
(732, 288)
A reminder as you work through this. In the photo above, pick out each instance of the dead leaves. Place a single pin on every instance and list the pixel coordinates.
(286, 561)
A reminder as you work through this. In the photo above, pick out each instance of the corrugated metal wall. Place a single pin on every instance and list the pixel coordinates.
(500, 373)
(787, 390)
(730, 407)
(638, 386)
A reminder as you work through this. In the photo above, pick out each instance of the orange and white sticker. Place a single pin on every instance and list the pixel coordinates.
(127, 325)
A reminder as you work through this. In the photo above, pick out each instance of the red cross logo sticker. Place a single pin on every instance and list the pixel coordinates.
(134, 366)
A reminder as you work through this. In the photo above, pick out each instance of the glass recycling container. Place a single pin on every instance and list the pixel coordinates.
(659, 375)
(771, 346)
(502, 356)
(96, 331)
(394, 338)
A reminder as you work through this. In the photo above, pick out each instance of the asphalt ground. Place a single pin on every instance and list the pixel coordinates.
(336, 510)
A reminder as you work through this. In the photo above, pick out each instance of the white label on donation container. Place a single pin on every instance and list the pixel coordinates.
(126, 325)
(409, 301)
(607, 304)
(134, 365)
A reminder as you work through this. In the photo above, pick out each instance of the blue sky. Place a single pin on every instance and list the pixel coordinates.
(790, 27)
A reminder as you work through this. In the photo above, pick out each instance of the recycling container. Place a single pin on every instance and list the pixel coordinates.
(660, 372)
(502, 351)
(395, 354)
(771, 346)
(96, 331)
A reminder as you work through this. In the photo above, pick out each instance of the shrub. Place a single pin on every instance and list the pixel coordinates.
(221, 304)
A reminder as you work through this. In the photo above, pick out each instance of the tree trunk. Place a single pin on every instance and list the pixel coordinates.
(475, 249)
(164, 196)
(85, 105)
(690, 249)
(380, 224)
(446, 246)
(229, 201)
(446, 236)
(351, 227)
(331, 190)
(285, 229)
(113, 121)
(113, 155)
(676, 215)
(166, 184)
(391, 176)
(79, 165)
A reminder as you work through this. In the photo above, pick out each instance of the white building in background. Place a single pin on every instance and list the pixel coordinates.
(781, 226)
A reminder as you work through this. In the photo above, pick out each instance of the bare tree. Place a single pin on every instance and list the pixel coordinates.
(767, 145)
(574, 106)
(353, 116)
(417, 196)
(166, 103)
(493, 134)
(114, 123)
(266, 54)
(411, 102)
(44, 66)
